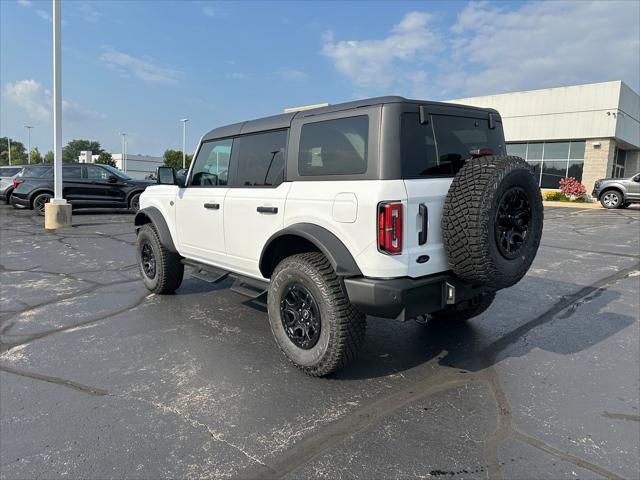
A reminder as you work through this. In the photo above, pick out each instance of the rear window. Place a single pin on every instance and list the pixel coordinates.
(9, 171)
(334, 147)
(440, 147)
(260, 159)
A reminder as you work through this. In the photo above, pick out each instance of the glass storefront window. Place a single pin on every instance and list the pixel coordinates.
(577, 150)
(517, 149)
(552, 172)
(556, 150)
(534, 151)
(575, 169)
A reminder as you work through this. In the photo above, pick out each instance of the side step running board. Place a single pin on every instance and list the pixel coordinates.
(206, 273)
(249, 287)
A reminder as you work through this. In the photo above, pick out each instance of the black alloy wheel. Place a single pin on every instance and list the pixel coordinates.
(148, 260)
(513, 217)
(300, 316)
(40, 201)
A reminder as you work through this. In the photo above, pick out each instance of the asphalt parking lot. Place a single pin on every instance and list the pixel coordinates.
(100, 379)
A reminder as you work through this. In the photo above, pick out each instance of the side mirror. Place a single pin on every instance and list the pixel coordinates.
(113, 179)
(167, 176)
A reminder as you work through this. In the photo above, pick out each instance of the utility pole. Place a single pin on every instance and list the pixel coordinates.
(29, 127)
(124, 151)
(184, 142)
(9, 151)
(57, 213)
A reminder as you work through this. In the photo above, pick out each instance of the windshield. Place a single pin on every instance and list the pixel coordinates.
(116, 172)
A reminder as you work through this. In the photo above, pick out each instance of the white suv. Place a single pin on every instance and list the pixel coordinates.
(388, 207)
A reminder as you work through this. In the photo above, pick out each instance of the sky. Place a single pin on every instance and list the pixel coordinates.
(141, 66)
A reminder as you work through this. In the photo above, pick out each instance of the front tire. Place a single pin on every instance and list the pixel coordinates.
(161, 270)
(310, 315)
(611, 199)
(464, 311)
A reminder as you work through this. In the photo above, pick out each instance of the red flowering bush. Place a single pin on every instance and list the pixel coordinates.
(572, 188)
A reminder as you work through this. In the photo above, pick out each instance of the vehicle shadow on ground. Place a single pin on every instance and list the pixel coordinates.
(392, 348)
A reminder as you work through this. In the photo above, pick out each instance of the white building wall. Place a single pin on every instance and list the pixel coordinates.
(564, 113)
(138, 166)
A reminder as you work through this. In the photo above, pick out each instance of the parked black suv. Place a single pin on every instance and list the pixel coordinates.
(84, 186)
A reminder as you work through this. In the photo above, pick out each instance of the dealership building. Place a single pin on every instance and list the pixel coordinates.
(583, 131)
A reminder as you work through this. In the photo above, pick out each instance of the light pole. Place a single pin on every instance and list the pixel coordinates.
(9, 151)
(184, 141)
(57, 213)
(124, 151)
(29, 127)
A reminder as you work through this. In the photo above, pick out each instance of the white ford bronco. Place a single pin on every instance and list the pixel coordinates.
(388, 207)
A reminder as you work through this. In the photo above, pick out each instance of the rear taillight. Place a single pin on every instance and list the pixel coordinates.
(390, 227)
(16, 182)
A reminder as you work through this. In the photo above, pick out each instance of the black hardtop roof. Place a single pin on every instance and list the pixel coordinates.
(284, 120)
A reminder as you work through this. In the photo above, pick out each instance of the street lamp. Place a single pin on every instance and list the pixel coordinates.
(124, 151)
(9, 151)
(184, 141)
(29, 127)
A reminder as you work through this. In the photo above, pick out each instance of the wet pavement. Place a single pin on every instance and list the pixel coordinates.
(98, 378)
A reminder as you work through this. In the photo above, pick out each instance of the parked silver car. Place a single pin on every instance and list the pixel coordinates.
(7, 172)
(617, 192)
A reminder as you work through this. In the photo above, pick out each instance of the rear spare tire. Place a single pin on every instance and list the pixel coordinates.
(492, 221)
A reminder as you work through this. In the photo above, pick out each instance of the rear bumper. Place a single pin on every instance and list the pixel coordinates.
(405, 298)
(20, 202)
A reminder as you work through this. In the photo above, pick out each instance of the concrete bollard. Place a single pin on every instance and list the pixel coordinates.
(57, 215)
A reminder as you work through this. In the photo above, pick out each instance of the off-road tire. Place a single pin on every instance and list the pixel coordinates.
(169, 270)
(342, 326)
(464, 311)
(470, 216)
(610, 204)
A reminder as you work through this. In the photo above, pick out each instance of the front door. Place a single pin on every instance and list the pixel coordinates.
(254, 207)
(634, 188)
(103, 187)
(200, 206)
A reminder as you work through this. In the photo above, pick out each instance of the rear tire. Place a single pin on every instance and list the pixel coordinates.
(134, 203)
(310, 315)
(40, 201)
(464, 311)
(161, 270)
(611, 199)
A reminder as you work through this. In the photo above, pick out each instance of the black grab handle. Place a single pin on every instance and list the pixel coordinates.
(424, 214)
(212, 206)
(267, 209)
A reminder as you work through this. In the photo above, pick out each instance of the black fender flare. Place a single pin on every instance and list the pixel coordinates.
(331, 247)
(154, 216)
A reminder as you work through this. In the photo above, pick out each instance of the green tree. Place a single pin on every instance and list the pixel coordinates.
(36, 156)
(71, 150)
(18, 153)
(48, 157)
(105, 159)
(173, 158)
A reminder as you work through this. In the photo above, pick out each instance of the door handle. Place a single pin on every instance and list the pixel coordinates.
(267, 209)
(424, 215)
(212, 206)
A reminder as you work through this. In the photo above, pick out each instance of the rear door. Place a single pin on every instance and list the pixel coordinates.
(432, 153)
(254, 205)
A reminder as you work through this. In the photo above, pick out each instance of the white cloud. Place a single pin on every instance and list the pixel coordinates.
(493, 48)
(30, 96)
(378, 63)
(292, 75)
(44, 15)
(25, 3)
(37, 102)
(208, 11)
(145, 69)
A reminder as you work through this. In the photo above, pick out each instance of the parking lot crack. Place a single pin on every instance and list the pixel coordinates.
(57, 380)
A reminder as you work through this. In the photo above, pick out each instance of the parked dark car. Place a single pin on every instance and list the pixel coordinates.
(84, 186)
(7, 172)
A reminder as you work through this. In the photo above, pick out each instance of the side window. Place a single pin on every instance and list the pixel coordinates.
(334, 147)
(457, 136)
(97, 173)
(72, 171)
(260, 159)
(211, 167)
(418, 149)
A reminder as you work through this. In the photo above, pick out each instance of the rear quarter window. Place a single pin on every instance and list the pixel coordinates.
(440, 147)
(334, 147)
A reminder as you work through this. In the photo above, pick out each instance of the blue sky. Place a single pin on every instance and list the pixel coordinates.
(140, 66)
